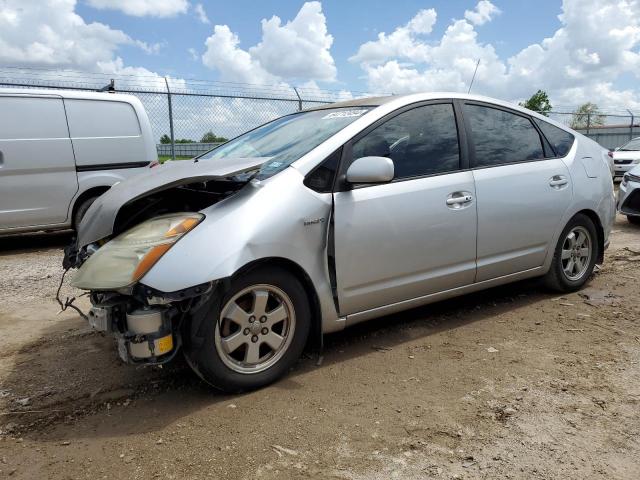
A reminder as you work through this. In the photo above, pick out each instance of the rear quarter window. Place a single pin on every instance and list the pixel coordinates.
(101, 118)
(560, 140)
(27, 118)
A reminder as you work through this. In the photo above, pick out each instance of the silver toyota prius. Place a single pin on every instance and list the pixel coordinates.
(327, 217)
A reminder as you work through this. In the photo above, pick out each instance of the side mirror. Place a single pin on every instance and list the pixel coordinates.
(371, 170)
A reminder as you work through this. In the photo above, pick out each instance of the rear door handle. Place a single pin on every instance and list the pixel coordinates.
(558, 181)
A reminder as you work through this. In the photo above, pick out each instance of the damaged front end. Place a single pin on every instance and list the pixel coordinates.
(149, 326)
(124, 234)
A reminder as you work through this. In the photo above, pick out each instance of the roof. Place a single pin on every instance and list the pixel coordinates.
(63, 93)
(398, 101)
(357, 102)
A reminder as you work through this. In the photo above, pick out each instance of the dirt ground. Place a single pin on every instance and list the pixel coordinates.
(514, 382)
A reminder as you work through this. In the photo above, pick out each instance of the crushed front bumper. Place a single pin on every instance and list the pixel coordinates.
(146, 324)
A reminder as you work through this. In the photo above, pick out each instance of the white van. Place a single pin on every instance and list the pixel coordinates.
(60, 150)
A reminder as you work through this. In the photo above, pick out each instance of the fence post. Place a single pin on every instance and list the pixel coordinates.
(173, 143)
(299, 99)
(631, 125)
(588, 122)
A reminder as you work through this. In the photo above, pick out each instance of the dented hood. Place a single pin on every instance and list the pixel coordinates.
(98, 222)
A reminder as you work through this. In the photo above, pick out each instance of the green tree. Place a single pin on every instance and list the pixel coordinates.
(538, 102)
(211, 137)
(185, 140)
(165, 139)
(587, 115)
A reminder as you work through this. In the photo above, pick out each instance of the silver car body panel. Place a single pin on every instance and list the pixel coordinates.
(389, 240)
(391, 254)
(283, 219)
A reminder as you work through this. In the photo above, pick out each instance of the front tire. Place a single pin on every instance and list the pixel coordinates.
(575, 255)
(633, 220)
(256, 333)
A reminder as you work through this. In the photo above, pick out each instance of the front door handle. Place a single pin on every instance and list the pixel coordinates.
(458, 199)
(558, 181)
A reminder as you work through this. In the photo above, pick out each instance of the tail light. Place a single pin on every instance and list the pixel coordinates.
(154, 164)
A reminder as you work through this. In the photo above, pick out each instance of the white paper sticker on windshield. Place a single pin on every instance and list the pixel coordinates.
(345, 114)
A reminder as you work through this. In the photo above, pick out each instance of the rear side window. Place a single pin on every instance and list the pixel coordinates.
(420, 141)
(24, 118)
(502, 137)
(101, 118)
(560, 140)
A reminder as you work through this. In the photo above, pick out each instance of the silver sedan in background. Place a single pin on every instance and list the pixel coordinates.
(629, 195)
(328, 217)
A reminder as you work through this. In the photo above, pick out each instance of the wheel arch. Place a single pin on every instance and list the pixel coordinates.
(315, 338)
(595, 218)
(88, 193)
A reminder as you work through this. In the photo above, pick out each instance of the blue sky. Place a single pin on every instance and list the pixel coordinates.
(576, 50)
(351, 23)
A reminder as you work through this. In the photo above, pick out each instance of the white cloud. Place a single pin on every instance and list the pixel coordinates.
(581, 61)
(142, 8)
(483, 13)
(295, 51)
(201, 13)
(51, 33)
(403, 42)
(233, 63)
(193, 53)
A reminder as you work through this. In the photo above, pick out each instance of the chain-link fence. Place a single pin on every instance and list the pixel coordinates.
(189, 117)
(610, 130)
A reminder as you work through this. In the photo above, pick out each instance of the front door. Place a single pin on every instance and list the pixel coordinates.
(417, 234)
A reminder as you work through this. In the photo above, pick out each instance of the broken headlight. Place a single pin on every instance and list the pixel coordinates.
(127, 258)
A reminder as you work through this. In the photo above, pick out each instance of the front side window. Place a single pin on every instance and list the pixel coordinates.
(420, 141)
(501, 137)
(560, 140)
(286, 139)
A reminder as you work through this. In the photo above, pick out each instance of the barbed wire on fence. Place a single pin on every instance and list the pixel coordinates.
(191, 111)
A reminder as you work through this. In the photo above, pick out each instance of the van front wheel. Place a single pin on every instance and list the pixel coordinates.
(81, 210)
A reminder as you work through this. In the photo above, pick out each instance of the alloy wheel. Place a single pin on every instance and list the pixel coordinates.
(576, 253)
(255, 328)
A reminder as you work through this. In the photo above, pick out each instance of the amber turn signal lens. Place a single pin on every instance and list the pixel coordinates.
(149, 260)
(183, 227)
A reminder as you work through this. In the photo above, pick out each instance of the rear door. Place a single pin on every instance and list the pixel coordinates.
(417, 234)
(522, 194)
(37, 167)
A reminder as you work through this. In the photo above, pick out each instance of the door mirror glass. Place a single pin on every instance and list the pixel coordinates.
(371, 170)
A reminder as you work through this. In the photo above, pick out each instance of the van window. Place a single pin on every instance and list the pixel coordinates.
(101, 118)
(420, 141)
(502, 137)
(560, 140)
(23, 118)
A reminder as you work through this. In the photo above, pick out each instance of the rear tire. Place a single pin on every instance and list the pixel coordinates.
(256, 333)
(574, 256)
(81, 210)
(634, 220)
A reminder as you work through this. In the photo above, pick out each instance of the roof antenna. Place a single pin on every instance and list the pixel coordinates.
(474, 76)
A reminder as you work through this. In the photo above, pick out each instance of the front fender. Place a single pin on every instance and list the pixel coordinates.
(279, 217)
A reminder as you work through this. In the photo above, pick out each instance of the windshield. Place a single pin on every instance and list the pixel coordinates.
(286, 139)
(631, 146)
